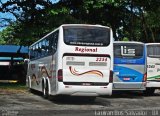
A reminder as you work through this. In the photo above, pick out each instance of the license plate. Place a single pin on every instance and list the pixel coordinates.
(126, 79)
(86, 84)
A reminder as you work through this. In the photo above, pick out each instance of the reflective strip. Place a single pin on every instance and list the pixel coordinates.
(97, 63)
(75, 63)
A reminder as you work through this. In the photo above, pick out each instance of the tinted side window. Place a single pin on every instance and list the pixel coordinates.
(45, 47)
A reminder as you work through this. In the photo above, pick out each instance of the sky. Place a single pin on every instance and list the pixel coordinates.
(3, 15)
(9, 15)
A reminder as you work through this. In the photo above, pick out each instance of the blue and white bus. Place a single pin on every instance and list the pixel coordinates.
(129, 66)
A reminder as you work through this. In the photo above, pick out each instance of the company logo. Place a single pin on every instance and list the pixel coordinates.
(94, 72)
(85, 49)
(127, 52)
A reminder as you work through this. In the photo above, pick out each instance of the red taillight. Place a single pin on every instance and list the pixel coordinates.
(60, 75)
(111, 77)
(145, 77)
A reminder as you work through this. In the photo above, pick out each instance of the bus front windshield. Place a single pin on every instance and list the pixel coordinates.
(128, 50)
(86, 35)
(153, 51)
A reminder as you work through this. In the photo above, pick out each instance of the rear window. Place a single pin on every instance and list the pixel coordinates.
(153, 51)
(128, 50)
(86, 35)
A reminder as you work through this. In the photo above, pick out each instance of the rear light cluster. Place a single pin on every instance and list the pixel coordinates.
(111, 76)
(145, 77)
(60, 75)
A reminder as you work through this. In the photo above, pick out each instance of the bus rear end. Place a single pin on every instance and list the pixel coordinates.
(86, 67)
(153, 67)
(129, 66)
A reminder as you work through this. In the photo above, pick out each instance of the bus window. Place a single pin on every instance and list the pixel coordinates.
(86, 36)
(131, 51)
(153, 51)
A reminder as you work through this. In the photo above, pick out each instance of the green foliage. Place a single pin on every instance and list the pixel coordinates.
(2, 41)
(12, 86)
(125, 39)
(130, 19)
(7, 36)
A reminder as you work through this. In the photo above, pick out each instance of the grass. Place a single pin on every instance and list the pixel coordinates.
(10, 88)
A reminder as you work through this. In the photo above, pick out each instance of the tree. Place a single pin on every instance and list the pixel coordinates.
(34, 19)
(2, 41)
(133, 19)
(149, 20)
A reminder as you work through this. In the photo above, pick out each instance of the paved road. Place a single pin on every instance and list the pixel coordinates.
(23, 103)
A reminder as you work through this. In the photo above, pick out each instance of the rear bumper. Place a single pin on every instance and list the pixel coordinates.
(129, 86)
(153, 84)
(76, 90)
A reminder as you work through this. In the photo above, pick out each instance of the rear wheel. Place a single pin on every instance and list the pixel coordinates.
(29, 84)
(45, 90)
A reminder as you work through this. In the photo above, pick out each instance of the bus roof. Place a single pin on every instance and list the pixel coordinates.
(136, 42)
(152, 44)
(97, 25)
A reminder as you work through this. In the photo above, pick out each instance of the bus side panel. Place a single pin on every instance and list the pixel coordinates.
(33, 74)
(153, 72)
(54, 80)
(40, 69)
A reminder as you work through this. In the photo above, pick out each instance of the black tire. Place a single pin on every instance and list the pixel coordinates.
(45, 90)
(29, 85)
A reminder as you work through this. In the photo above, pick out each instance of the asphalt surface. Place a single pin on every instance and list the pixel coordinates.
(24, 103)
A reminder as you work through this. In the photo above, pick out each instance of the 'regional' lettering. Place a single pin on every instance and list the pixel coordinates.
(85, 49)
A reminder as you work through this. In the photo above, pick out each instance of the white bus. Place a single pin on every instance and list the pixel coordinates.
(153, 67)
(74, 60)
